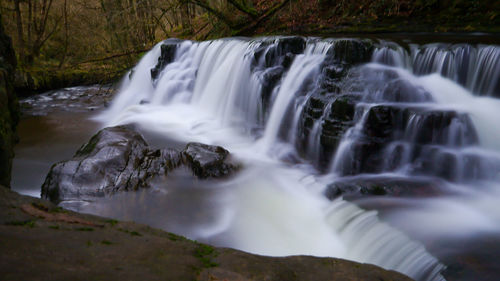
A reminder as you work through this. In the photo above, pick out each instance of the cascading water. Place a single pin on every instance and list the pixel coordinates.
(302, 114)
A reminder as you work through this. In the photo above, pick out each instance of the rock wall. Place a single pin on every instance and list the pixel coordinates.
(9, 107)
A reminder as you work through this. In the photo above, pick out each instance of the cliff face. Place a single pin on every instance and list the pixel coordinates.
(9, 107)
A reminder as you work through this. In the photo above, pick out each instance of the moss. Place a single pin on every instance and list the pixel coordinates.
(112, 222)
(133, 233)
(106, 242)
(205, 253)
(87, 148)
(28, 223)
(378, 190)
(57, 210)
(85, 229)
(174, 237)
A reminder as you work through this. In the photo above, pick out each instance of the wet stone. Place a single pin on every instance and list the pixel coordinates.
(208, 161)
(383, 186)
(168, 50)
(119, 159)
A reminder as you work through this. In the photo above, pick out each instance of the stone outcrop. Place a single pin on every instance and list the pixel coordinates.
(384, 122)
(392, 136)
(167, 55)
(329, 113)
(119, 159)
(9, 107)
(74, 246)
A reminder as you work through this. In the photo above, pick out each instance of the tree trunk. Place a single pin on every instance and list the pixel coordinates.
(20, 35)
(66, 35)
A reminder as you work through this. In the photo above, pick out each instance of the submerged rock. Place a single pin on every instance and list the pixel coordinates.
(119, 159)
(380, 186)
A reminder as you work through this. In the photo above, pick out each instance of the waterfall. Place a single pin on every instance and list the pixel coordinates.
(304, 114)
(475, 68)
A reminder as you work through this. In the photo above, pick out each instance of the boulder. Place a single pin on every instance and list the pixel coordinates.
(208, 161)
(119, 159)
(9, 107)
(114, 159)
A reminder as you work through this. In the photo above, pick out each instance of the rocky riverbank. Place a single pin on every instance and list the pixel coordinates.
(40, 241)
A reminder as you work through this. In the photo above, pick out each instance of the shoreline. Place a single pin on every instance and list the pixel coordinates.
(42, 241)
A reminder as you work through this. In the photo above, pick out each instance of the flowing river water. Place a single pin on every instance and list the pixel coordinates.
(311, 120)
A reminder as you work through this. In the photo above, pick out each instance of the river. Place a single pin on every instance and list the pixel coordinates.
(371, 150)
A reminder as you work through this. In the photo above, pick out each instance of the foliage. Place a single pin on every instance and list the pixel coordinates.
(205, 253)
(109, 35)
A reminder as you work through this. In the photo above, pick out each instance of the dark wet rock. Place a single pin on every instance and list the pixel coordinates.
(75, 99)
(393, 136)
(279, 51)
(283, 52)
(351, 51)
(168, 50)
(444, 127)
(208, 161)
(332, 125)
(382, 186)
(326, 129)
(9, 107)
(336, 123)
(271, 60)
(379, 74)
(119, 159)
(455, 166)
(419, 125)
(115, 159)
(340, 58)
(270, 78)
(294, 45)
(401, 90)
(383, 122)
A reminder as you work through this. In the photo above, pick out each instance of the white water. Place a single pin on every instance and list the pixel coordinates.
(475, 68)
(210, 94)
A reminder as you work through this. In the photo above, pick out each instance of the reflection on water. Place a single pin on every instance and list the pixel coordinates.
(179, 203)
(53, 126)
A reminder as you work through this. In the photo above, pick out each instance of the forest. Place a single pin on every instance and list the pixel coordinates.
(100, 39)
